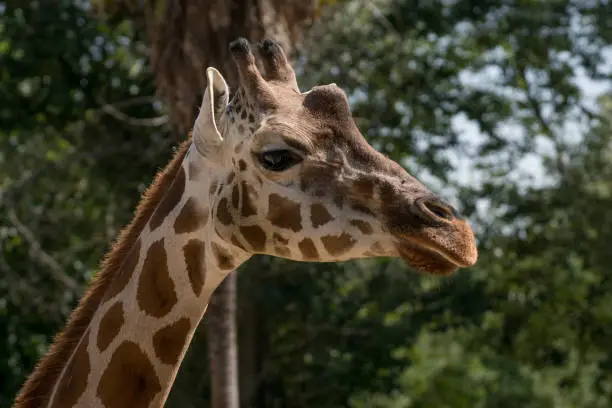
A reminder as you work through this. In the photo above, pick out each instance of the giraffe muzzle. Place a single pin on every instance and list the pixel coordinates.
(442, 243)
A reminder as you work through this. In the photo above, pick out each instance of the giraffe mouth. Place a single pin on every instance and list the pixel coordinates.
(426, 260)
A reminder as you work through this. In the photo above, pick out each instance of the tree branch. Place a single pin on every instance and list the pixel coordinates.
(9, 271)
(37, 252)
(117, 114)
(537, 111)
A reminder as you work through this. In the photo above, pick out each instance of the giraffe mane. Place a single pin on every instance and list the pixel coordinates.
(37, 389)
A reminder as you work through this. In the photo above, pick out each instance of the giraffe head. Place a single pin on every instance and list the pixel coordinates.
(295, 178)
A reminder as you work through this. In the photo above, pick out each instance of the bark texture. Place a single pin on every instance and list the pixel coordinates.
(187, 36)
(222, 345)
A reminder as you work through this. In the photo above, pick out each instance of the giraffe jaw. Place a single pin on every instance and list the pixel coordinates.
(428, 260)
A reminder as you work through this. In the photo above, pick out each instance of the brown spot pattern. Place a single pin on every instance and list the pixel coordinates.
(110, 325)
(129, 380)
(230, 178)
(319, 215)
(191, 218)
(213, 188)
(364, 188)
(223, 212)
(235, 197)
(361, 208)
(282, 251)
(284, 213)
(74, 381)
(255, 236)
(377, 248)
(338, 200)
(247, 205)
(237, 242)
(242, 165)
(124, 273)
(278, 238)
(338, 244)
(317, 177)
(308, 249)
(387, 192)
(195, 255)
(363, 226)
(169, 341)
(224, 258)
(170, 200)
(156, 295)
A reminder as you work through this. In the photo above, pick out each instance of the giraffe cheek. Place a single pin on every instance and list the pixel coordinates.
(249, 197)
(337, 245)
(224, 258)
(255, 236)
(284, 213)
(282, 251)
(319, 215)
(364, 227)
(224, 214)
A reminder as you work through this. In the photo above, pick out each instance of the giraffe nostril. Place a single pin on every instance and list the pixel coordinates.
(436, 209)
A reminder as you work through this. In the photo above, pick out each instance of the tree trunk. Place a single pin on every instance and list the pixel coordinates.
(222, 349)
(186, 37)
(252, 346)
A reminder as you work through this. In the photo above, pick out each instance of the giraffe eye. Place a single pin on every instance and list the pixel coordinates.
(279, 160)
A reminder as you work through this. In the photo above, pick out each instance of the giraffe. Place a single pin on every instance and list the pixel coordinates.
(270, 171)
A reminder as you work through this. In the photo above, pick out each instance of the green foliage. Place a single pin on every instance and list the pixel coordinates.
(520, 328)
(63, 164)
(434, 84)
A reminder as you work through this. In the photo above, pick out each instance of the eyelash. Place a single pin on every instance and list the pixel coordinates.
(279, 160)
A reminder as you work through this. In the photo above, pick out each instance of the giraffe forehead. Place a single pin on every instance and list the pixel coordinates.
(309, 137)
(327, 101)
(324, 128)
(307, 114)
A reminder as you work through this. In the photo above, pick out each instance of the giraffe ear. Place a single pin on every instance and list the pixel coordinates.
(206, 134)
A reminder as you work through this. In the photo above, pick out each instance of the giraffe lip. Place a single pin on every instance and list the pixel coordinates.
(426, 260)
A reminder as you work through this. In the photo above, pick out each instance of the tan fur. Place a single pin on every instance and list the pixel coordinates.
(344, 201)
(37, 390)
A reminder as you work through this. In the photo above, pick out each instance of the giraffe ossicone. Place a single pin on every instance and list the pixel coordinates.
(270, 171)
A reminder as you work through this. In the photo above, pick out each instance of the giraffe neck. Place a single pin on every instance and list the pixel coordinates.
(138, 337)
(131, 348)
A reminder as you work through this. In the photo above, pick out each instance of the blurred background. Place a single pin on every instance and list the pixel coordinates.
(503, 107)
